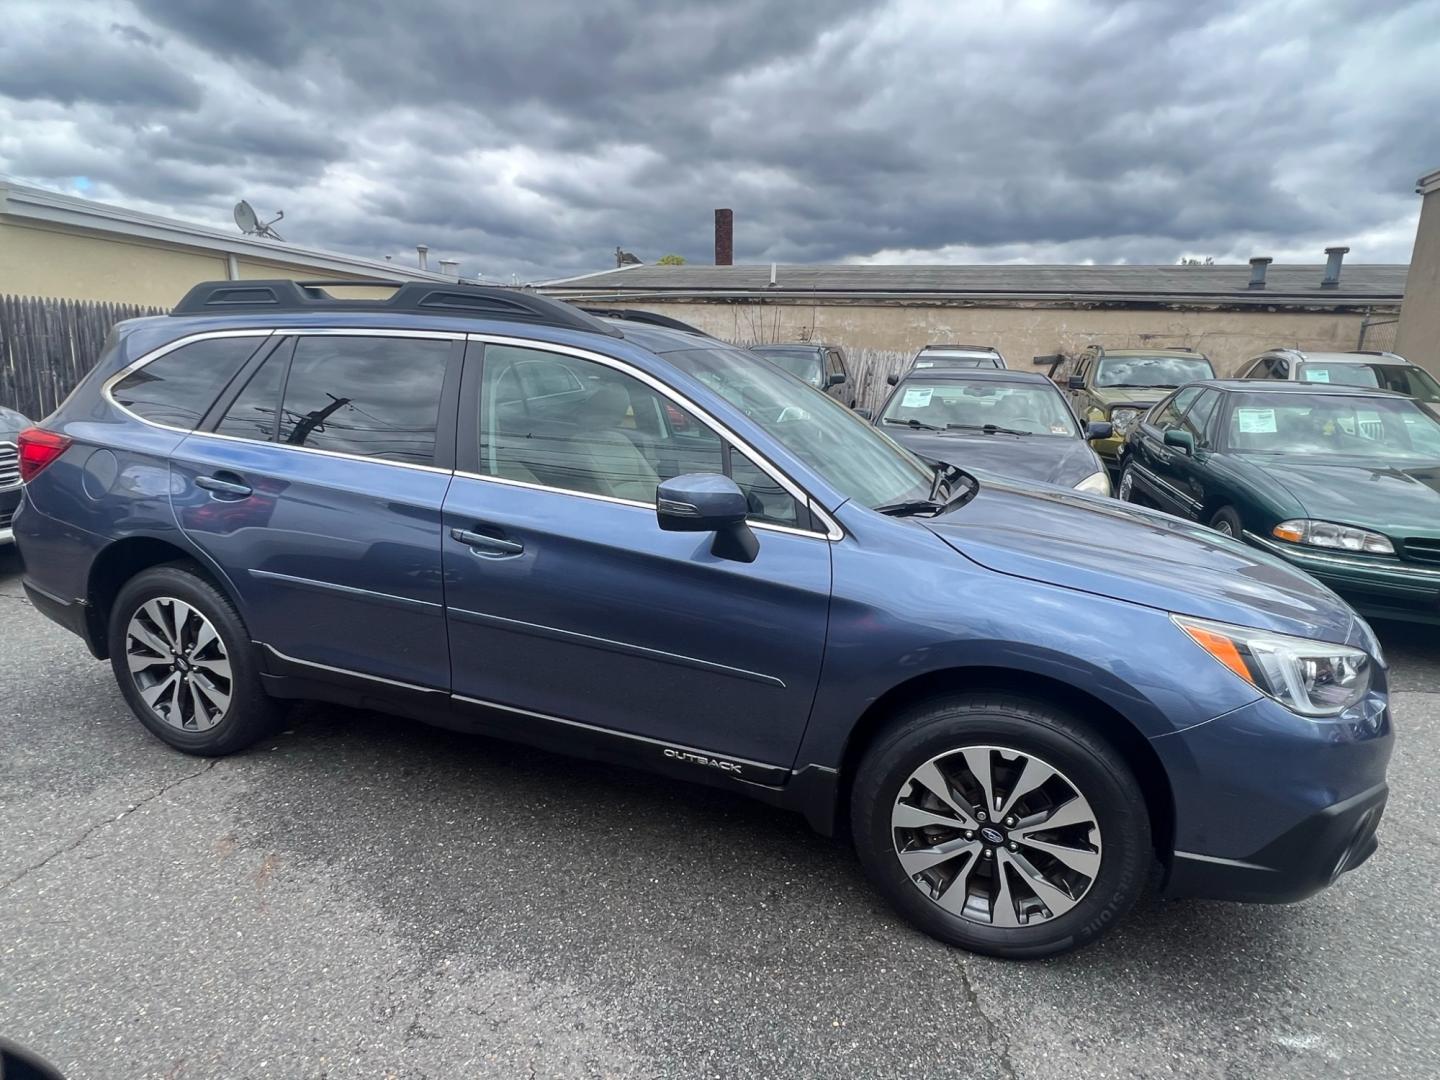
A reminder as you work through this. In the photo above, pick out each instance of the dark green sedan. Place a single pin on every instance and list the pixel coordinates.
(1343, 482)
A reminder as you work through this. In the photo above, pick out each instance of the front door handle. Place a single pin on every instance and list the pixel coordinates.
(221, 486)
(490, 546)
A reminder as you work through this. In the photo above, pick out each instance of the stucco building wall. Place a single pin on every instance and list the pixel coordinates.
(1021, 332)
(1418, 336)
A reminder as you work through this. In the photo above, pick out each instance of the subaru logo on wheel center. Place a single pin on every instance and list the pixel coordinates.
(992, 836)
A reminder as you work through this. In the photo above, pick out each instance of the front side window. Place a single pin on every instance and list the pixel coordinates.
(1152, 371)
(373, 397)
(176, 389)
(1031, 408)
(1168, 414)
(856, 459)
(598, 431)
(1197, 420)
(1316, 425)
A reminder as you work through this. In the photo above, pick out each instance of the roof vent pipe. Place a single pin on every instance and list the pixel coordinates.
(1332, 267)
(422, 254)
(1258, 266)
(447, 267)
(773, 282)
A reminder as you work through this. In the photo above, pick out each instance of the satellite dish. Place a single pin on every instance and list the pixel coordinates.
(250, 223)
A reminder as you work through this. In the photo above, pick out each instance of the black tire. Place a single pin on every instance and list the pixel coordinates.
(251, 713)
(1129, 494)
(1227, 521)
(1087, 762)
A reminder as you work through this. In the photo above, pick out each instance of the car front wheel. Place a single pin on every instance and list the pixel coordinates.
(181, 656)
(1001, 825)
(1125, 492)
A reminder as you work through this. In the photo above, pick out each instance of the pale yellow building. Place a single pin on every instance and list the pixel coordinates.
(1419, 334)
(59, 246)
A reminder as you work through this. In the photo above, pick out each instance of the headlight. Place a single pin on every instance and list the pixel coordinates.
(1328, 535)
(1095, 484)
(1312, 678)
(1124, 419)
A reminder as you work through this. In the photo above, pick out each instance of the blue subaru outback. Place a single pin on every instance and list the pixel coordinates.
(624, 539)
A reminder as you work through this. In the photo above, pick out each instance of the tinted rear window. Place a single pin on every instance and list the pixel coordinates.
(372, 396)
(180, 386)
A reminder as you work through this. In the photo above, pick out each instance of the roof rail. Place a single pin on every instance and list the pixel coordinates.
(1380, 352)
(967, 348)
(284, 296)
(649, 318)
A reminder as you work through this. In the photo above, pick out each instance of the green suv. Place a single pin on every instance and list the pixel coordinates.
(1120, 385)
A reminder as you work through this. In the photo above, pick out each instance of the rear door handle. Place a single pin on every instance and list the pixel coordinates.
(490, 546)
(221, 486)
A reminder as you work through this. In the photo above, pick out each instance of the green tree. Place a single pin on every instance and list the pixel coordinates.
(671, 260)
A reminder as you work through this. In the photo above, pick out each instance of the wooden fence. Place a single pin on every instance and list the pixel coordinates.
(48, 345)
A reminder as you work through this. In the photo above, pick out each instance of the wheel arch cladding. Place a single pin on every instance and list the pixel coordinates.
(119, 563)
(1084, 707)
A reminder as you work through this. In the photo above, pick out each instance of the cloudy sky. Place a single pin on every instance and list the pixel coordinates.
(531, 138)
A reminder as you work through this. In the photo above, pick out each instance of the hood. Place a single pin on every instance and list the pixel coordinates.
(11, 422)
(1050, 460)
(1126, 552)
(1397, 498)
(1128, 395)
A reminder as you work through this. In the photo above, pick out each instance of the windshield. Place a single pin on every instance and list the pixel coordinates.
(804, 363)
(857, 460)
(1319, 424)
(1402, 378)
(1152, 370)
(1034, 408)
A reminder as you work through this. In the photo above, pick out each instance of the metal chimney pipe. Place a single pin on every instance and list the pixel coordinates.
(447, 267)
(724, 237)
(1332, 267)
(422, 252)
(1258, 266)
(773, 282)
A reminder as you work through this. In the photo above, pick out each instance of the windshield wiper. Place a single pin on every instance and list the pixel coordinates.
(989, 429)
(910, 507)
(910, 423)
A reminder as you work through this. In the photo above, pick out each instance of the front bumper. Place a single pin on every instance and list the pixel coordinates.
(1375, 586)
(1271, 807)
(9, 501)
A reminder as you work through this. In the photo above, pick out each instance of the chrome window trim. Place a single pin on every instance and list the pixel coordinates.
(110, 383)
(832, 529)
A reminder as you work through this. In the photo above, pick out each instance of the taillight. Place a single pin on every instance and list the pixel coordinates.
(39, 448)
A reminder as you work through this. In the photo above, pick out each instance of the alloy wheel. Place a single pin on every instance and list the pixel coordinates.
(178, 664)
(1223, 528)
(996, 836)
(1127, 485)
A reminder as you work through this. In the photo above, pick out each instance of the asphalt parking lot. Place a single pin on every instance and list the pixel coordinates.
(365, 897)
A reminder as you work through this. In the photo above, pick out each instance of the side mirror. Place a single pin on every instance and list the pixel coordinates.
(1181, 440)
(864, 414)
(1099, 429)
(835, 379)
(892, 379)
(708, 502)
(1076, 382)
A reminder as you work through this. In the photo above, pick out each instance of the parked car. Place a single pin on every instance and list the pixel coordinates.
(11, 424)
(1011, 423)
(1380, 370)
(1337, 480)
(486, 509)
(822, 366)
(1119, 385)
(952, 358)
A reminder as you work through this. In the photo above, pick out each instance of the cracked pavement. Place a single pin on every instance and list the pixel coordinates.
(362, 896)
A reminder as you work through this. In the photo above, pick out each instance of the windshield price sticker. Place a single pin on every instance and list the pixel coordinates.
(1318, 375)
(1256, 421)
(917, 399)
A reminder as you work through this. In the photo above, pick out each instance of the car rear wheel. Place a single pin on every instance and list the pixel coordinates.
(1001, 825)
(1226, 521)
(180, 653)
